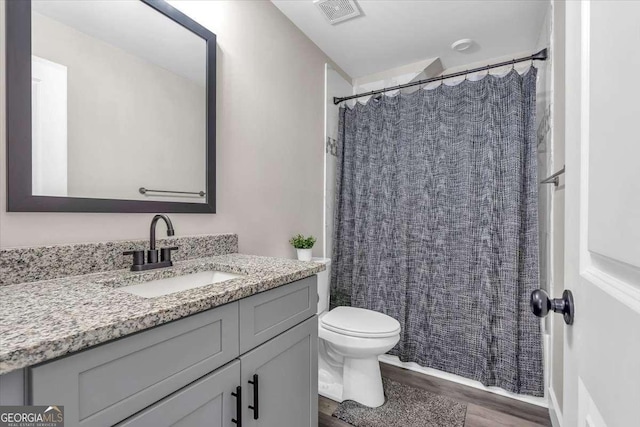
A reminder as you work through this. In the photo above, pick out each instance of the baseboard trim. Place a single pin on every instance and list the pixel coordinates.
(395, 361)
(554, 409)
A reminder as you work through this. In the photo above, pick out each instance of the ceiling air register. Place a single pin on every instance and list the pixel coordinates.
(338, 10)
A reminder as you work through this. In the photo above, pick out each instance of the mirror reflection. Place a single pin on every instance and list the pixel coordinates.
(118, 103)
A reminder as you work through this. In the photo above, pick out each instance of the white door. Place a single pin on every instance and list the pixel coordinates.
(602, 251)
(49, 127)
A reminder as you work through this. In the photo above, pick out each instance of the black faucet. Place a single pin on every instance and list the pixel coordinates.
(152, 253)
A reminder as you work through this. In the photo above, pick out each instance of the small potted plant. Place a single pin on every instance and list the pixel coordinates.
(303, 245)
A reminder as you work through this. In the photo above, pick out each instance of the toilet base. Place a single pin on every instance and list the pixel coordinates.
(362, 381)
(332, 391)
(349, 368)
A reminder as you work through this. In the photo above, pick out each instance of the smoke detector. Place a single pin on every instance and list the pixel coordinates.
(338, 10)
(462, 45)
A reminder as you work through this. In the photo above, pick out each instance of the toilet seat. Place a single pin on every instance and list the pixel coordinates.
(359, 322)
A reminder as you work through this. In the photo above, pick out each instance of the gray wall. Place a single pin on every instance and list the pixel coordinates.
(269, 142)
(550, 133)
(158, 138)
(336, 86)
(550, 116)
(547, 160)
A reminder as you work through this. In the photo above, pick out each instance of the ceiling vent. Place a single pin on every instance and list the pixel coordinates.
(338, 10)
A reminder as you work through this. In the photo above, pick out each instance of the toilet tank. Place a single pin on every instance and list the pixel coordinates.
(324, 279)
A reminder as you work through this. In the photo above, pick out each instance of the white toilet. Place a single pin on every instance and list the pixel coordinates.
(351, 339)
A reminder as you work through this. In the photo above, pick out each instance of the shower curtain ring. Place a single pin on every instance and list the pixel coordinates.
(513, 64)
(488, 70)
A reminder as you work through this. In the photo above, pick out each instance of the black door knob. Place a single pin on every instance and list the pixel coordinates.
(541, 304)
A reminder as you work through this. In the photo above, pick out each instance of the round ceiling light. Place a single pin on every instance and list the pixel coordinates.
(462, 45)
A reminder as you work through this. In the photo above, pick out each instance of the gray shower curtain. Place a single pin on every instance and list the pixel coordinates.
(436, 225)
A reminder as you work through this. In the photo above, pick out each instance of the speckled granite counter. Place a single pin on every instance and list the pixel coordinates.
(43, 320)
(20, 265)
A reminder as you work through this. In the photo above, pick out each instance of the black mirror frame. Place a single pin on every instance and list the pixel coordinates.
(18, 103)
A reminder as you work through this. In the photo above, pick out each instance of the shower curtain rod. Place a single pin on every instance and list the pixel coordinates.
(539, 56)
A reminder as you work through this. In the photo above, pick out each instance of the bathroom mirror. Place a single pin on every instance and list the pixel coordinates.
(110, 107)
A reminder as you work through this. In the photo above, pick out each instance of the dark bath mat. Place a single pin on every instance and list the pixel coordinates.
(405, 407)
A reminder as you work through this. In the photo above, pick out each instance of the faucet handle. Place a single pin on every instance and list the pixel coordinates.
(138, 256)
(165, 253)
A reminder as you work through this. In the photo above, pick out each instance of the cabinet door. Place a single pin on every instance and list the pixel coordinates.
(206, 402)
(108, 383)
(287, 372)
(268, 314)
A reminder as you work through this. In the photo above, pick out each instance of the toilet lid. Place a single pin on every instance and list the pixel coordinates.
(359, 322)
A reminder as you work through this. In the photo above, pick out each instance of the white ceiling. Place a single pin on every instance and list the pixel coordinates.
(397, 32)
(136, 28)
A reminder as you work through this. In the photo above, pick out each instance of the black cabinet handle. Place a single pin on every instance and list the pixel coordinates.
(255, 406)
(238, 395)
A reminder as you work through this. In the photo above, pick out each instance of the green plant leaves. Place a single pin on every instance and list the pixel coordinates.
(300, 242)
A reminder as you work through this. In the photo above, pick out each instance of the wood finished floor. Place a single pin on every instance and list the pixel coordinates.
(484, 409)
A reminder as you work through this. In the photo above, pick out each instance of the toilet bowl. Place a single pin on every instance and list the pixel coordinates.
(350, 341)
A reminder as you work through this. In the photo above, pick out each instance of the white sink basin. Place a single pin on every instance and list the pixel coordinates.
(157, 288)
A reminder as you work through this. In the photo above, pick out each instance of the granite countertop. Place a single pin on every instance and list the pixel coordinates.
(43, 320)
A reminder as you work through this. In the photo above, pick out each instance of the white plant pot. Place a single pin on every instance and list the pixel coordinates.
(304, 254)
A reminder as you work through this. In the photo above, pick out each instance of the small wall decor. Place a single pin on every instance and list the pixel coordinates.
(332, 146)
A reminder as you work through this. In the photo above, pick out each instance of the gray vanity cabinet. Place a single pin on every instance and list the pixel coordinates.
(103, 385)
(286, 370)
(207, 402)
(183, 373)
